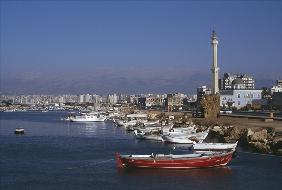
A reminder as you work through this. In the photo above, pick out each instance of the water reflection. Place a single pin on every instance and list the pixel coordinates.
(88, 129)
(203, 172)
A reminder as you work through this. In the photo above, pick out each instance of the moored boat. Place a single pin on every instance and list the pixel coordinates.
(170, 161)
(215, 146)
(147, 136)
(186, 138)
(88, 117)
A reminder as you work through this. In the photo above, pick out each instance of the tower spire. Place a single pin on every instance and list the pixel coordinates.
(214, 68)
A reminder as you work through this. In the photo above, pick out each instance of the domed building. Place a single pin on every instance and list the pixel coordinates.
(238, 91)
(229, 81)
(238, 84)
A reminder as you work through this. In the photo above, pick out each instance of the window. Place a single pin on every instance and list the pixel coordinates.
(238, 103)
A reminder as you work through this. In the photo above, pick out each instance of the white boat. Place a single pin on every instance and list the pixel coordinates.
(19, 131)
(147, 136)
(148, 123)
(215, 146)
(133, 119)
(180, 131)
(186, 138)
(88, 117)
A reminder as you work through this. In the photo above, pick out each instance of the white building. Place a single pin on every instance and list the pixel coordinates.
(81, 98)
(239, 98)
(87, 98)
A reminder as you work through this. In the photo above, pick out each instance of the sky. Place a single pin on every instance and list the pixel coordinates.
(103, 47)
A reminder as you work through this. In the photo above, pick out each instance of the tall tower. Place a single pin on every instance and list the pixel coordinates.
(214, 68)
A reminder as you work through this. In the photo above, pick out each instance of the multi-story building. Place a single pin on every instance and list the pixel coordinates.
(151, 101)
(112, 99)
(229, 81)
(174, 102)
(202, 91)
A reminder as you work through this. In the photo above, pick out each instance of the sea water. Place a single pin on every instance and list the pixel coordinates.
(55, 154)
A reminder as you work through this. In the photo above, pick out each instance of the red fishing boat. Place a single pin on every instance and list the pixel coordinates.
(184, 161)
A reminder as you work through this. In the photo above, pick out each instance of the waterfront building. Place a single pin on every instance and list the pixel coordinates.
(231, 81)
(239, 98)
(214, 68)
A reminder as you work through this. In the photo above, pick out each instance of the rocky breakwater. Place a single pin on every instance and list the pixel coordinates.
(261, 140)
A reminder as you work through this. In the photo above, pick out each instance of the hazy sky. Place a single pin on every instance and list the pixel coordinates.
(133, 47)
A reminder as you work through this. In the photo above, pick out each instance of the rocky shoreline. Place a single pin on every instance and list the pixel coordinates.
(267, 140)
(264, 140)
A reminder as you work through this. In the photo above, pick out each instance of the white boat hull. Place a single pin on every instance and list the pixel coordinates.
(215, 146)
(88, 118)
(185, 138)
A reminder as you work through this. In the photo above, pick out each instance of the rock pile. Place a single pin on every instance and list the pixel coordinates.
(262, 140)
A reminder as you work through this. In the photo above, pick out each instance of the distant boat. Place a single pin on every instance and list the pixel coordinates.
(171, 161)
(19, 131)
(88, 117)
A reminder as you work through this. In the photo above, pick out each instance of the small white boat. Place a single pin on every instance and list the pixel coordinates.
(215, 146)
(147, 136)
(180, 131)
(149, 123)
(19, 131)
(186, 138)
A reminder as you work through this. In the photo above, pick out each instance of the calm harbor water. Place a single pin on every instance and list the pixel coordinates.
(55, 154)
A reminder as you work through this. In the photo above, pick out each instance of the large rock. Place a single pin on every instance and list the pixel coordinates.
(259, 136)
(233, 134)
(276, 145)
(217, 134)
(259, 147)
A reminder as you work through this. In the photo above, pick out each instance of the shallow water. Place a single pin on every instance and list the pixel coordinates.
(55, 154)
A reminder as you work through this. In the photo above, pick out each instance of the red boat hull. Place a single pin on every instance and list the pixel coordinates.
(183, 163)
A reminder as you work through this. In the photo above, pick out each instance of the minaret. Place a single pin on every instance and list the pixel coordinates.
(214, 68)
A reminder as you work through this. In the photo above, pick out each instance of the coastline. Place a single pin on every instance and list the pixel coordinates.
(254, 135)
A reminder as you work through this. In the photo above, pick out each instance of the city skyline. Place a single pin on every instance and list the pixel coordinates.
(135, 47)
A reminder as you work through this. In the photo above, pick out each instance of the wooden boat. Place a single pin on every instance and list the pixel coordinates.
(185, 161)
(19, 131)
(185, 138)
(215, 146)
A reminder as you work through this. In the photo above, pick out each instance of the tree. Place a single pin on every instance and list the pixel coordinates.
(210, 106)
